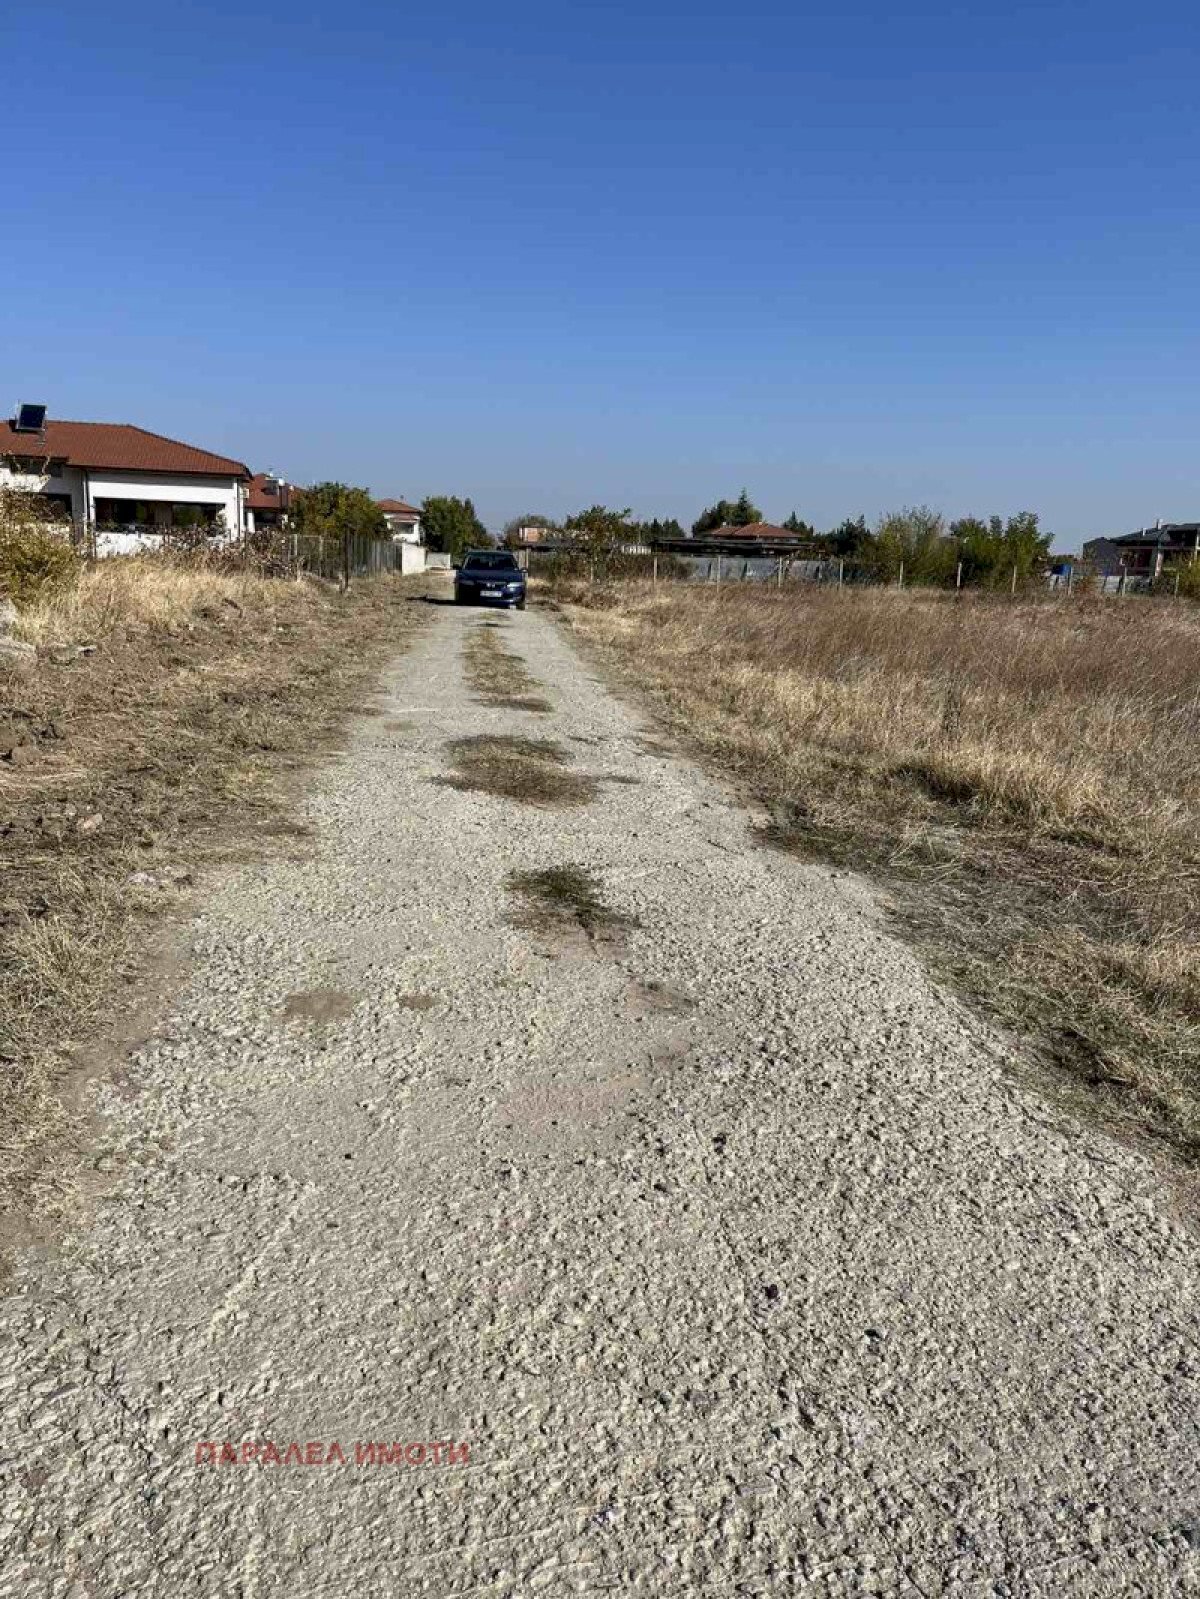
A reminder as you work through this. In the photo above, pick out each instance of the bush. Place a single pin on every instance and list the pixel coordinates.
(1187, 575)
(34, 558)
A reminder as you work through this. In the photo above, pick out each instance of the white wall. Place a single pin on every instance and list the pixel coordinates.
(70, 482)
(86, 486)
(403, 529)
(225, 492)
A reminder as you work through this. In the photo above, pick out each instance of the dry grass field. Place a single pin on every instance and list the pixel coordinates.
(1023, 777)
(169, 708)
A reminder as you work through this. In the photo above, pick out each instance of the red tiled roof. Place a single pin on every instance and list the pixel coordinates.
(397, 508)
(752, 530)
(258, 498)
(116, 446)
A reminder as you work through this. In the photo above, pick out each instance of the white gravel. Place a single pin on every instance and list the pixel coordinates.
(729, 1249)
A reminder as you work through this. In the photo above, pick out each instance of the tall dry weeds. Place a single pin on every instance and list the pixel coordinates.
(1024, 777)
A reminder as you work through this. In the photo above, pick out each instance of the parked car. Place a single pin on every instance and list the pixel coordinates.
(490, 577)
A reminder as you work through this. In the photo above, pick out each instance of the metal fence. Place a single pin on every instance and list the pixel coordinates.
(277, 552)
(778, 568)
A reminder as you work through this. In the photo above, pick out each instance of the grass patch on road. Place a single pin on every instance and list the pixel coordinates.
(558, 898)
(498, 677)
(529, 770)
(1023, 777)
(171, 706)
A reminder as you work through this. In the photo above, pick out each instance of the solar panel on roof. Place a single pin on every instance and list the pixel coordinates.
(30, 418)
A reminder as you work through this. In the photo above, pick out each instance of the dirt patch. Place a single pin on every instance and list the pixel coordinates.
(318, 1005)
(397, 725)
(563, 899)
(417, 1001)
(529, 770)
(498, 677)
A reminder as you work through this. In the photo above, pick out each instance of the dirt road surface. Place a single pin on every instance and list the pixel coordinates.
(721, 1238)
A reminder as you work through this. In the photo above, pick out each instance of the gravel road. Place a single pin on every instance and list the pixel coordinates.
(723, 1241)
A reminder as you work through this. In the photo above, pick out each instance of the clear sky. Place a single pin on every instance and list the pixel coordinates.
(851, 256)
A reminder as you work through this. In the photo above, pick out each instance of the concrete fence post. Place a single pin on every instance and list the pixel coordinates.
(900, 582)
(958, 577)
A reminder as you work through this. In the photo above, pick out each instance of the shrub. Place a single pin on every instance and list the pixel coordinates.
(34, 558)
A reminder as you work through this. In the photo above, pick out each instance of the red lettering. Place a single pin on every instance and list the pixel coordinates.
(206, 1452)
(459, 1455)
(293, 1449)
(364, 1454)
(270, 1455)
(415, 1454)
(249, 1450)
(229, 1455)
(335, 1455)
(389, 1454)
(314, 1454)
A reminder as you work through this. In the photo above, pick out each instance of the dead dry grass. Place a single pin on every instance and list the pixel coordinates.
(530, 770)
(498, 677)
(1024, 777)
(168, 744)
(562, 899)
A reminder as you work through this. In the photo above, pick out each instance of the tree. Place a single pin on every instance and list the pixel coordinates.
(726, 513)
(915, 539)
(335, 509)
(600, 530)
(849, 537)
(450, 525)
(989, 551)
(657, 531)
(804, 529)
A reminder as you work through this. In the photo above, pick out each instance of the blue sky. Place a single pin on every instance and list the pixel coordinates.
(849, 256)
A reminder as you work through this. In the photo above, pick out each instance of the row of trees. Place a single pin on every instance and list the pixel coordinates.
(917, 539)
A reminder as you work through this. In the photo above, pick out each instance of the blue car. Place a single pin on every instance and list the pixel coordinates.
(490, 577)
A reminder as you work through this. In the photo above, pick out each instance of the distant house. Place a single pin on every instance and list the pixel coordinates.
(128, 484)
(404, 521)
(269, 500)
(535, 533)
(1144, 554)
(754, 532)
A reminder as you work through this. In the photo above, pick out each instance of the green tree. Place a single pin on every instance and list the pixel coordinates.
(657, 530)
(728, 513)
(916, 540)
(601, 532)
(991, 550)
(450, 525)
(849, 538)
(334, 509)
(804, 529)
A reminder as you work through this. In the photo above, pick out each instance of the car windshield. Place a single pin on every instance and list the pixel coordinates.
(492, 561)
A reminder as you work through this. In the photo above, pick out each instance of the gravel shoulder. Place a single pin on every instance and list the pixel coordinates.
(719, 1235)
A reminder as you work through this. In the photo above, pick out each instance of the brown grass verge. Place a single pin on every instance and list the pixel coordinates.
(499, 677)
(529, 770)
(122, 770)
(1024, 778)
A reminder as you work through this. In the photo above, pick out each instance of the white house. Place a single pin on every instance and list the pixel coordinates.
(131, 486)
(404, 521)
